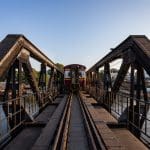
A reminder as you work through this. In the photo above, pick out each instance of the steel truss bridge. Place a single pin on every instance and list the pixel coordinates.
(37, 114)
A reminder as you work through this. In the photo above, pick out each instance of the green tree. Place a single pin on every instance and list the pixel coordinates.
(60, 66)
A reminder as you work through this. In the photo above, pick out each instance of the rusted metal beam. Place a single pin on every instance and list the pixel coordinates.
(12, 45)
(42, 77)
(120, 77)
(31, 78)
(131, 107)
(145, 94)
(142, 44)
(138, 97)
(142, 57)
(107, 85)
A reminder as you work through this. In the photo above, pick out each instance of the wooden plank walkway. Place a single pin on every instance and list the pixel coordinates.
(41, 138)
(116, 138)
(30, 133)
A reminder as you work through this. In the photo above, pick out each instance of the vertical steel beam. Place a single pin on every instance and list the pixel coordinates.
(51, 78)
(12, 86)
(138, 97)
(107, 77)
(146, 107)
(61, 82)
(90, 81)
(42, 77)
(131, 107)
(58, 81)
(51, 82)
(6, 92)
(20, 78)
(96, 82)
(14, 92)
(107, 85)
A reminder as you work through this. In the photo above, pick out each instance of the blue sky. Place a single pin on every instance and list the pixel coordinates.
(75, 31)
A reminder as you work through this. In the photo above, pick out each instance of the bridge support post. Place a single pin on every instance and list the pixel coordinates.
(107, 86)
(60, 82)
(50, 83)
(13, 91)
(138, 96)
(87, 82)
(96, 83)
(56, 83)
(140, 108)
(42, 82)
(91, 82)
(137, 108)
(42, 77)
(131, 107)
(146, 106)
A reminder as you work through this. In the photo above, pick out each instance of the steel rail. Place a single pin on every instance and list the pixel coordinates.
(60, 141)
(66, 128)
(94, 137)
(61, 138)
(91, 139)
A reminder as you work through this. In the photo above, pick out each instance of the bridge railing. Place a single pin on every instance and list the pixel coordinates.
(11, 116)
(15, 112)
(133, 112)
(17, 56)
(120, 81)
(126, 110)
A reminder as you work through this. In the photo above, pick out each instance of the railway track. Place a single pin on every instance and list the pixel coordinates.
(76, 128)
(72, 126)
